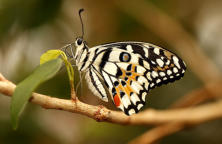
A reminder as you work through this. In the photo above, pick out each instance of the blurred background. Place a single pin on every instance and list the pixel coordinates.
(28, 28)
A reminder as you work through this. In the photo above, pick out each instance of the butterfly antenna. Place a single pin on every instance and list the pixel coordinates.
(80, 11)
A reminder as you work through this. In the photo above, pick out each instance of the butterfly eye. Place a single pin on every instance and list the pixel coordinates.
(79, 41)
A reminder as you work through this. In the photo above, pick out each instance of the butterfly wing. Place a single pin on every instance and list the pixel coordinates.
(131, 69)
(95, 84)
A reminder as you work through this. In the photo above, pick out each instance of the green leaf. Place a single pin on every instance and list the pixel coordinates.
(53, 54)
(25, 88)
(50, 55)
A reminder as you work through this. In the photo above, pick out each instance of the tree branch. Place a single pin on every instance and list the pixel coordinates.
(188, 116)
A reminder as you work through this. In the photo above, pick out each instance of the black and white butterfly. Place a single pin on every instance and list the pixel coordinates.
(126, 70)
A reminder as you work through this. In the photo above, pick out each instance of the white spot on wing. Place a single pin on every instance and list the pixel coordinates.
(134, 98)
(136, 87)
(139, 106)
(153, 62)
(169, 72)
(121, 107)
(176, 61)
(156, 51)
(140, 69)
(146, 52)
(123, 65)
(168, 62)
(134, 58)
(162, 74)
(110, 68)
(144, 96)
(148, 76)
(131, 111)
(175, 70)
(158, 81)
(129, 47)
(125, 101)
(114, 56)
(142, 80)
(160, 62)
(162, 57)
(154, 74)
(146, 64)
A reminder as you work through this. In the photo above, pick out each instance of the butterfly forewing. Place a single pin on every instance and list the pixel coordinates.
(130, 69)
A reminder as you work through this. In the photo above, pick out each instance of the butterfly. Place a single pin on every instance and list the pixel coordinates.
(126, 71)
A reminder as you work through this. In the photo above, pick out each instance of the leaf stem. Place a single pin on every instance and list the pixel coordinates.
(72, 91)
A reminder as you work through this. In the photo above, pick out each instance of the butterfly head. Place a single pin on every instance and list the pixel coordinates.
(81, 48)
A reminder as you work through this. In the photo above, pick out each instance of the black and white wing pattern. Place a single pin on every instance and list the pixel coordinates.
(129, 70)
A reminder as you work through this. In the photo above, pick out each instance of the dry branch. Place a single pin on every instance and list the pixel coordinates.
(188, 116)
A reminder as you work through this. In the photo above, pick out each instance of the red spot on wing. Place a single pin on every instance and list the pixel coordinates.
(116, 100)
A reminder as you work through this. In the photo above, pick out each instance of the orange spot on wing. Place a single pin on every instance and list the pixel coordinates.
(128, 90)
(133, 68)
(118, 89)
(168, 54)
(134, 76)
(162, 69)
(116, 100)
(166, 67)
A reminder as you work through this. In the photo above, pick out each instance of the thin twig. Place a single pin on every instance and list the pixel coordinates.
(72, 91)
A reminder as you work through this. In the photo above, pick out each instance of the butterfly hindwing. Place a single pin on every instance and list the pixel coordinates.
(128, 93)
(95, 84)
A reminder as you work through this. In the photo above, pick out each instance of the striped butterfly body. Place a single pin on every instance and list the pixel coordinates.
(126, 71)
